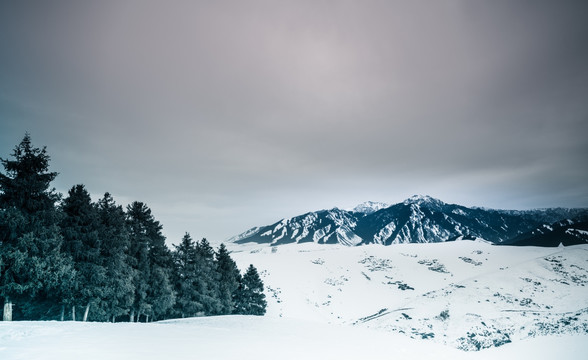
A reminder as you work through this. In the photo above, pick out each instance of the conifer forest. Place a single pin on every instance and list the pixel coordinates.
(65, 257)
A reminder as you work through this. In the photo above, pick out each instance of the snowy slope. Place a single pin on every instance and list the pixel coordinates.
(224, 337)
(466, 294)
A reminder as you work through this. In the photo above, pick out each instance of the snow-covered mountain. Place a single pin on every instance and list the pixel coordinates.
(566, 232)
(418, 219)
(369, 207)
(322, 227)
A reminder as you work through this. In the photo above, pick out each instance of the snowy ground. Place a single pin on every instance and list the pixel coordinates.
(467, 294)
(247, 337)
(370, 302)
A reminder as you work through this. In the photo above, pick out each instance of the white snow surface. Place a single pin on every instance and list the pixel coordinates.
(490, 295)
(248, 337)
(366, 302)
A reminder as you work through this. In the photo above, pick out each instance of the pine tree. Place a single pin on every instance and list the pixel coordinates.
(152, 264)
(185, 259)
(114, 237)
(228, 282)
(161, 293)
(26, 184)
(80, 230)
(32, 270)
(250, 299)
(138, 216)
(207, 279)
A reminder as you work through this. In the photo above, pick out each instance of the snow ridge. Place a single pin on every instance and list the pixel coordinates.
(369, 207)
(418, 219)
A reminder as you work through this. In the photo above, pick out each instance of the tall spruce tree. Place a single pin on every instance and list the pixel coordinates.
(250, 299)
(161, 290)
(228, 280)
(152, 262)
(207, 279)
(184, 255)
(138, 219)
(80, 230)
(114, 237)
(32, 270)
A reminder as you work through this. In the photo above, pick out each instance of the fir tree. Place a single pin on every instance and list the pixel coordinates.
(161, 293)
(138, 216)
(152, 262)
(80, 230)
(250, 299)
(207, 279)
(114, 237)
(184, 255)
(26, 183)
(228, 281)
(32, 270)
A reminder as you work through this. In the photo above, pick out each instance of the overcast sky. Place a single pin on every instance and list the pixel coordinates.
(224, 115)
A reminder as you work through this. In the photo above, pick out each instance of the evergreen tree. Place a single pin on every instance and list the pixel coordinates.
(161, 293)
(250, 299)
(228, 281)
(25, 186)
(32, 270)
(207, 279)
(80, 230)
(184, 256)
(138, 217)
(114, 237)
(152, 262)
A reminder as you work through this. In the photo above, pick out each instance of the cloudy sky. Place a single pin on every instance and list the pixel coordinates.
(224, 115)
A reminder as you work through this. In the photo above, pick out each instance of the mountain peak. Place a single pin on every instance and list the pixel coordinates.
(423, 200)
(369, 207)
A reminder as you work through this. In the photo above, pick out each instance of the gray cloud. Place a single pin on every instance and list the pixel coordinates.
(225, 115)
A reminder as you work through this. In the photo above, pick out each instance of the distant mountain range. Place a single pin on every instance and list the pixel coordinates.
(565, 232)
(423, 219)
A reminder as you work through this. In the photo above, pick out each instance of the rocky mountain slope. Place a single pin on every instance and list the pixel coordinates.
(566, 232)
(419, 219)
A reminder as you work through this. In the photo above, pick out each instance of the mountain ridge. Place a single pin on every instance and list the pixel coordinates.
(418, 219)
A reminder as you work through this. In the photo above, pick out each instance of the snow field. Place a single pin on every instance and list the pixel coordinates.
(368, 302)
(248, 337)
(467, 294)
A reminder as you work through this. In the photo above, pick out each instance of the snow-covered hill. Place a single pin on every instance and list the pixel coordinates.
(469, 295)
(420, 219)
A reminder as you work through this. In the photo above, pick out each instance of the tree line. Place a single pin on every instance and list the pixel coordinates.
(68, 258)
